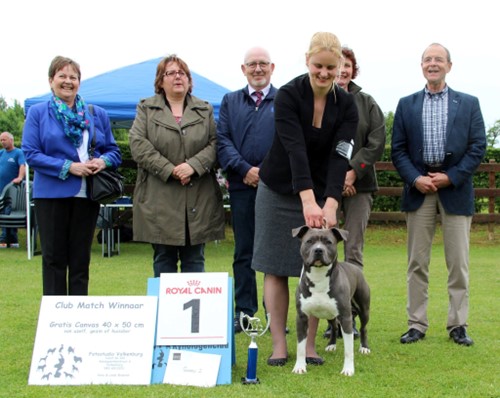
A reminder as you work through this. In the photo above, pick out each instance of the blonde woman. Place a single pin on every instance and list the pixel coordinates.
(301, 179)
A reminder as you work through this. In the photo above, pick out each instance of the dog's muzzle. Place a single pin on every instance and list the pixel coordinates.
(319, 259)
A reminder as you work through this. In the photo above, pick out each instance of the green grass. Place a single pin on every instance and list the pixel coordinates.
(435, 367)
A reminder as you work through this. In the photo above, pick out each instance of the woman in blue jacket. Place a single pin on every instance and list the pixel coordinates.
(56, 139)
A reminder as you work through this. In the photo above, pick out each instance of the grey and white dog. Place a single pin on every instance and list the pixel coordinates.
(327, 289)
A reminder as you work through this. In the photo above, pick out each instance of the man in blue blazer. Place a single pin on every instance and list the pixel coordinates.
(438, 142)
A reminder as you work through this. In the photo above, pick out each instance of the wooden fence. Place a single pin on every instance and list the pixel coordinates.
(492, 168)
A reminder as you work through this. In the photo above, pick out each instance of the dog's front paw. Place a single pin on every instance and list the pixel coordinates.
(348, 366)
(331, 347)
(364, 350)
(300, 367)
(347, 371)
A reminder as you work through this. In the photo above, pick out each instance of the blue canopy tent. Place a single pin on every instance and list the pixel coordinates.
(120, 90)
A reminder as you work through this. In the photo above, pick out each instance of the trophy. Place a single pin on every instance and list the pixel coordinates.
(253, 329)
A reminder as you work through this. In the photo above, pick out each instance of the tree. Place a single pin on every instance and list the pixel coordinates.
(493, 134)
(389, 121)
(11, 118)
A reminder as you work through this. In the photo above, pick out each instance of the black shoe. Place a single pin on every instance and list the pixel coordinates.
(328, 332)
(315, 361)
(277, 361)
(412, 336)
(237, 325)
(355, 331)
(459, 336)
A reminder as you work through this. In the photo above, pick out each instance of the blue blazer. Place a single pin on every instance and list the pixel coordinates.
(46, 149)
(464, 150)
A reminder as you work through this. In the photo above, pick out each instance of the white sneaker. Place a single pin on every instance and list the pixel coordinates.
(3, 245)
(14, 245)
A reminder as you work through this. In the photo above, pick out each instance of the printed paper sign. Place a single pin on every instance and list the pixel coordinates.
(94, 340)
(191, 309)
(192, 369)
(225, 351)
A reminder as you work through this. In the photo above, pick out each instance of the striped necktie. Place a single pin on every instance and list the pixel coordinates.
(259, 95)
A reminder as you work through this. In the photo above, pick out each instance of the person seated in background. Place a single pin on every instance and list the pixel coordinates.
(12, 169)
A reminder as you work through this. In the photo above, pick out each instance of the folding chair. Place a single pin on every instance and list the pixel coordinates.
(18, 196)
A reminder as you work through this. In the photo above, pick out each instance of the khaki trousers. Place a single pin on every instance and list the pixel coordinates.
(421, 226)
(357, 211)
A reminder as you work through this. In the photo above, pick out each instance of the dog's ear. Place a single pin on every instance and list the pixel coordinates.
(340, 234)
(300, 231)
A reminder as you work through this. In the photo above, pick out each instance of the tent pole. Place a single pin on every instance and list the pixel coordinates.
(28, 211)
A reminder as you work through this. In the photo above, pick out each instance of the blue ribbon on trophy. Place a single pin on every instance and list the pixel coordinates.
(252, 327)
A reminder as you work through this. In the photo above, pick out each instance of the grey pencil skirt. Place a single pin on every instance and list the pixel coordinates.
(276, 251)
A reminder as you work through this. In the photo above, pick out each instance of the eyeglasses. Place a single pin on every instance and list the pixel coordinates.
(174, 73)
(253, 65)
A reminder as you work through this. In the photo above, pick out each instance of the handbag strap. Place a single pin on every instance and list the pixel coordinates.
(92, 124)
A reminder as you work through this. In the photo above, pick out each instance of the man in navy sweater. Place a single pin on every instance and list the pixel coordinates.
(245, 132)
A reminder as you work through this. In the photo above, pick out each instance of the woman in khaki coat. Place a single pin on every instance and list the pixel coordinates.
(178, 204)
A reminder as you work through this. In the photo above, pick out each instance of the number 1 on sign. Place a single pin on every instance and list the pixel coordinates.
(193, 309)
(195, 314)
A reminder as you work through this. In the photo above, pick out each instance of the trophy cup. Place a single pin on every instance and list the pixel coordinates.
(253, 329)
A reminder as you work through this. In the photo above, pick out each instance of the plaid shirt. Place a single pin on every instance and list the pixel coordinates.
(434, 121)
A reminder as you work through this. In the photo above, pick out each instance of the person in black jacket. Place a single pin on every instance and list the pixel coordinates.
(302, 179)
(361, 179)
(244, 135)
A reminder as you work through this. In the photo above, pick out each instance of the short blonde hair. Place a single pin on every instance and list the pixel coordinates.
(324, 41)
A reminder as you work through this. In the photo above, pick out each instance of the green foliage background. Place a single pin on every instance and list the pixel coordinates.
(12, 119)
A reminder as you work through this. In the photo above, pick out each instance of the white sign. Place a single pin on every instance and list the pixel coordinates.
(192, 309)
(94, 340)
(188, 368)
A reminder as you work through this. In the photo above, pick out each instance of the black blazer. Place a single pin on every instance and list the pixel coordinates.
(301, 156)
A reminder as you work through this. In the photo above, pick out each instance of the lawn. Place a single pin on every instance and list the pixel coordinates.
(435, 367)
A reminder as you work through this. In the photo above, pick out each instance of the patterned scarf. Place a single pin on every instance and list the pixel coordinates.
(73, 122)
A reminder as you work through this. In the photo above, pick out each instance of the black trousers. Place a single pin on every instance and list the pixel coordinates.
(66, 229)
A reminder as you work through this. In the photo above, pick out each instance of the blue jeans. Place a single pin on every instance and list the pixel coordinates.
(166, 257)
(9, 235)
(243, 221)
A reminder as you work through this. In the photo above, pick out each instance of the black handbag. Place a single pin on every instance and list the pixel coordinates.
(107, 185)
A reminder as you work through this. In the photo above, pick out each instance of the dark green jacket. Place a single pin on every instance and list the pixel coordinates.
(369, 141)
(162, 205)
